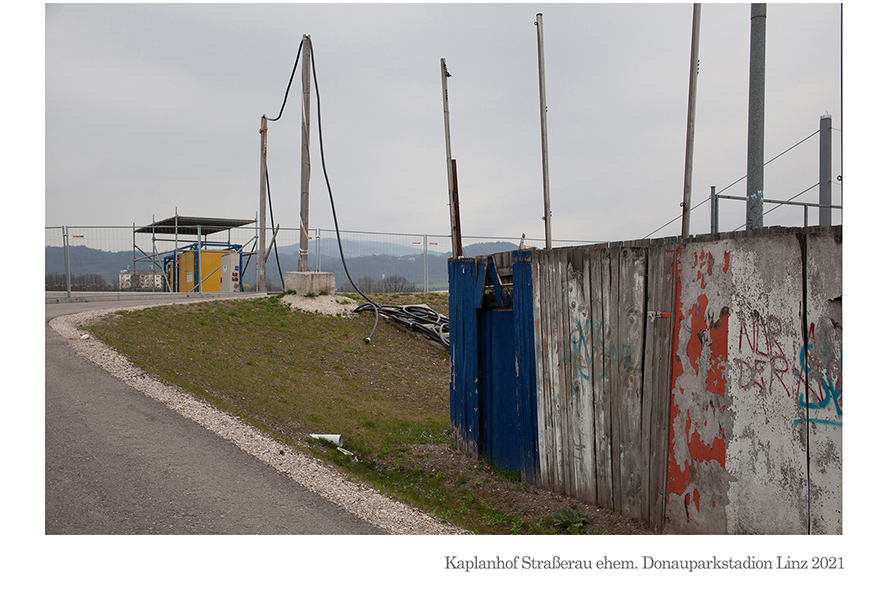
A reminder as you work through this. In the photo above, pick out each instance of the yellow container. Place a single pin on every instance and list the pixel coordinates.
(186, 268)
(201, 269)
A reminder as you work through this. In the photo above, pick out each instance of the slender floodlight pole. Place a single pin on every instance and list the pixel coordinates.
(453, 226)
(305, 152)
(544, 130)
(262, 201)
(690, 119)
(756, 108)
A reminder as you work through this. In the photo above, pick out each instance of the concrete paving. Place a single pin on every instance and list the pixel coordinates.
(119, 462)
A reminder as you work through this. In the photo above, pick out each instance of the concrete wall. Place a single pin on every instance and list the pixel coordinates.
(693, 385)
(756, 411)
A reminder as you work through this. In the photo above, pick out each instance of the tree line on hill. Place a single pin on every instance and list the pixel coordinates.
(97, 270)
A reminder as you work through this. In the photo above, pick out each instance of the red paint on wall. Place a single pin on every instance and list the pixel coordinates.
(713, 452)
(697, 327)
(676, 363)
(726, 262)
(719, 336)
(678, 480)
(695, 498)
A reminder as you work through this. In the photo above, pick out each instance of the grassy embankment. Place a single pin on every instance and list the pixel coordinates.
(292, 373)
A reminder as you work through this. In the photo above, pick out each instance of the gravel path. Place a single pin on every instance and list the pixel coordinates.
(359, 499)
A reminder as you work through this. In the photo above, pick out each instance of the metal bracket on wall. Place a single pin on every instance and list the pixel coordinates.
(660, 314)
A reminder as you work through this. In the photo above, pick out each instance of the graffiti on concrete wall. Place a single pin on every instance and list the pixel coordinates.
(813, 377)
(761, 362)
(820, 379)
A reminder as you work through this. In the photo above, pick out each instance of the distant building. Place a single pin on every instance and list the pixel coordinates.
(137, 280)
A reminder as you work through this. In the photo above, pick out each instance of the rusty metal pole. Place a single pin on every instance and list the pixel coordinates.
(690, 119)
(457, 228)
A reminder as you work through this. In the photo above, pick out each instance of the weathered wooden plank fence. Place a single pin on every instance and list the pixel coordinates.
(626, 380)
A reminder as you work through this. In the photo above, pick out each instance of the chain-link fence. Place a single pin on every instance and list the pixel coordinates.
(118, 258)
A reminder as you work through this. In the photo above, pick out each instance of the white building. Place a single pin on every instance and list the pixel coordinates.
(140, 279)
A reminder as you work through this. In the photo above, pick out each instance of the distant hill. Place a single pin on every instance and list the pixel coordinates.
(487, 248)
(376, 260)
(353, 248)
(86, 260)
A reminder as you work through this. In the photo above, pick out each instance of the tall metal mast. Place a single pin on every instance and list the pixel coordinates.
(756, 108)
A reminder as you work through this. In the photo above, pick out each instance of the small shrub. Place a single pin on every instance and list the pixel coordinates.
(571, 519)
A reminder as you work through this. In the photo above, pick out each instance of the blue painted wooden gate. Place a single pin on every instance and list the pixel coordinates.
(492, 388)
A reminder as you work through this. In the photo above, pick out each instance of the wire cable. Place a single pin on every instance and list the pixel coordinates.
(291, 77)
(271, 209)
(417, 318)
(735, 182)
(779, 205)
(421, 319)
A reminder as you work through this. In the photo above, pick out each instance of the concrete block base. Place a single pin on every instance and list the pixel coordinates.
(309, 283)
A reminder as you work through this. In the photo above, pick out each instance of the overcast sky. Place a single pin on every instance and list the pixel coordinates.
(150, 108)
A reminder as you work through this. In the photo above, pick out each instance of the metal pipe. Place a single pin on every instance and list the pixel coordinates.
(715, 211)
(175, 259)
(756, 110)
(690, 118)
(544, 130)
(305, 153)
(67, 260)
(425, 249)
(198, 287)
(824, 171)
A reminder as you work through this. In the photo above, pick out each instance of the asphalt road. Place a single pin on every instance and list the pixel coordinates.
(119, 462)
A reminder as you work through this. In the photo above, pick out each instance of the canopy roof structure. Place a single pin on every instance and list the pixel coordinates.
(197, 226)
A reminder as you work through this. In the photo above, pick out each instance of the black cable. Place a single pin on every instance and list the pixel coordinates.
(419, 318)
(271, 209)
(291, 77)
(332, 203)
(267, 179)
(413, 317)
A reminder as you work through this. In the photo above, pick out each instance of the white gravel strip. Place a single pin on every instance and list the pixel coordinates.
(359, 499)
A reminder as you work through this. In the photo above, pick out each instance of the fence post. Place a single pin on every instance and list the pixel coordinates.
(425, 243)
(318, 250)
(67, 260)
